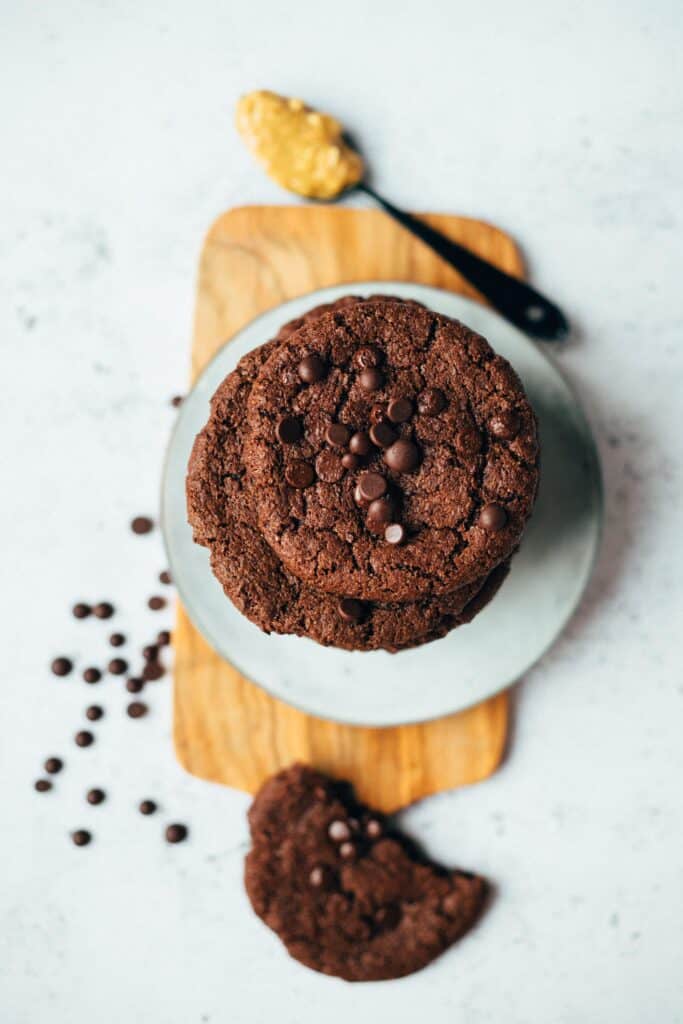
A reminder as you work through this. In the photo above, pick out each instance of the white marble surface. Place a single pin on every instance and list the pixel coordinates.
(562, 123)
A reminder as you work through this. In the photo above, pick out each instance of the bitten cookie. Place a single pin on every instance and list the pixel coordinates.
(346, 894)
(386, 414)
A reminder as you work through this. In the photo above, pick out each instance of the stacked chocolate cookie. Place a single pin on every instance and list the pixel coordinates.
(365, 477)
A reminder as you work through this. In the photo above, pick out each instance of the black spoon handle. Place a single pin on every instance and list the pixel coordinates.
(517, 301)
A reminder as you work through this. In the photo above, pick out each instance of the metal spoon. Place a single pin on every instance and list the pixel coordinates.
(518, 302)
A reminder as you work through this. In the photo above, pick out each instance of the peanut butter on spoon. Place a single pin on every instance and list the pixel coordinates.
(300, 148)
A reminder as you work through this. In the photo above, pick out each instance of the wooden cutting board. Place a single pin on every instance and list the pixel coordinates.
(226, 729)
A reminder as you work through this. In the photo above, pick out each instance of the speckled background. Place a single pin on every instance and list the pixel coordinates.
(562, 123)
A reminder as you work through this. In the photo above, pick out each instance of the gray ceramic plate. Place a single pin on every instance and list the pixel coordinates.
(545, 585)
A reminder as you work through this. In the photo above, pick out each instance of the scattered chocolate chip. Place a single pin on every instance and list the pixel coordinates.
(147, 807)
(142, 524)
(381, 510)
(176, 401)
(165, 577)
(81, 837)
(311, 369)
(320, 877)
(117, 640)
(382, 434)
(62, 666)
(92, 674)
(373, 829)
(136, 709)
(400, 410)
(377, 414)
(351, 610)
(95, 796)
(505, 425)
(366, 358)
(350, 461)
(431, 402)
(94, 712)
(53, 765)
(81, 610)
(152, 671)
(156, 603)
(337, 434)
(395, 533)
(103, 610)
(371, 486)
(328, 466)
(176, 833)
(360, 443)
(299, 475)
(134, 685)
(493, 518)
(402, 457)
(388, 916)
(371, 379)
(288, 430)
(118, 666)
(150, 652)
(163, 638)
(339, 831)
(42, 785)
(347, 851)
(84, 738)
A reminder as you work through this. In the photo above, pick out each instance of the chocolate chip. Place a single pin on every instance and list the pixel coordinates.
(377, 414)
(347, 851)
(150, 652)
(299, 475)
(350, 461)
(156, 603)
(163, 638)
(62, 666)
(165, 577)
(382, 434)
(373, 829)
(505, 425)
(53, 765)
(118, 666)
(366, 358)
(402, 457)
(42, 785)
(360, 443)
(176, 401)
(328, 467)
(134, 685)
(288, 430)
(395, 533)
(142, 524)
(311, 369)
(176, 833)
(81, 837)
(92, 674)
(371, 486)
(95, 796)
(337, 434)
(371, 379)
(152, 671)
(136, 709)
(320, 877)
(147, 807)
(84, 738)
(400, 410)
(94, 712)
(338, 831)
(81, 610)
(117, 640)
(351, 610)
(381, 510)
(431, 402)
(103, 610)
(493, 518)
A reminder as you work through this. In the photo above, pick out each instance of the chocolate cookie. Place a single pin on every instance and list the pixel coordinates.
(348, 895)
(402, 417)
(251, 573)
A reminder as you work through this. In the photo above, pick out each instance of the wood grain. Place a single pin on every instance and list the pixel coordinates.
(227, 729)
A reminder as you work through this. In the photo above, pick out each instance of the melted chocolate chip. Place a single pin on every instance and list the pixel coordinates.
(299, 474)
(371, 486)
(351, 610)
(328, 467)
(337, 434)
(431, 402)
(288, 430)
